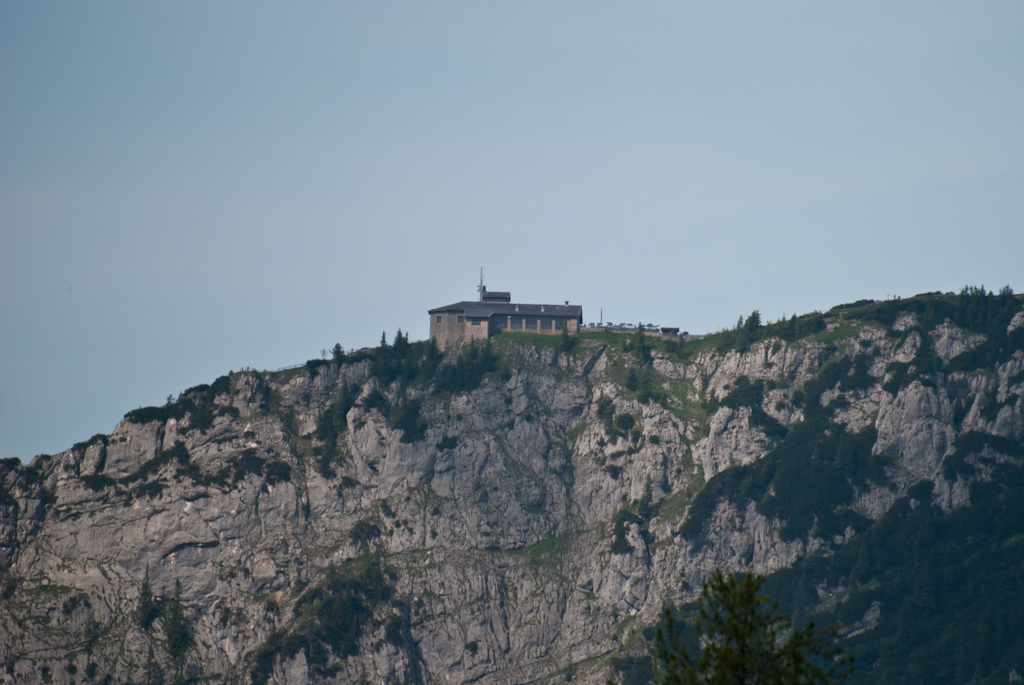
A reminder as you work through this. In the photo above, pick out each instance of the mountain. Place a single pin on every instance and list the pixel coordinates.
(523, 510)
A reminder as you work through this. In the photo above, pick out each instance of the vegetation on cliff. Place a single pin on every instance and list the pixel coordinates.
(741, 638)
(497, 506)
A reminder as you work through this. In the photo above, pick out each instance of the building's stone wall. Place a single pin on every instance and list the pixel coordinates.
(445, 328)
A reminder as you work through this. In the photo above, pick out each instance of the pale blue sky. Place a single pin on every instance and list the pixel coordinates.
(192, 187)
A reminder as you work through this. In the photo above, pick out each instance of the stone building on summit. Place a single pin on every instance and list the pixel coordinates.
(495, 313)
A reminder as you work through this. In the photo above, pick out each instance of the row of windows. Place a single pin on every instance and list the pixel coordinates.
(462, 319)
(530, 323)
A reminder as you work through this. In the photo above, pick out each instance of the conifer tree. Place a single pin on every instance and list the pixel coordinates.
(639, 345)
(176, 628)
(742, 639)
(149, 607)
(753, 321)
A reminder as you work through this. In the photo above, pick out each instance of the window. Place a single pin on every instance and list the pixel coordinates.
(501, 321)
(559, 323)
(438, 318)
(531, 323)
(474, 322)
(545, 324)
(460, 319)
(517, 322)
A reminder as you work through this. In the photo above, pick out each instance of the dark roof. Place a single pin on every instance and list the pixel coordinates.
(486, 309)
(496, 295)
(457, 307)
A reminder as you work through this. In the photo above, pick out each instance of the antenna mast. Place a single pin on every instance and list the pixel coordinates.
(480, 288)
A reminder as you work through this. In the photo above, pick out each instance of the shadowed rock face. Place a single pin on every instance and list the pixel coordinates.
(494, 549)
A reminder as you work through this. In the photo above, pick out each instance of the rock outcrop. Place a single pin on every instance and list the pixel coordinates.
(335, 523)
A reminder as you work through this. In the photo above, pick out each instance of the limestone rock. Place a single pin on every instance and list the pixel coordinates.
(501, 530)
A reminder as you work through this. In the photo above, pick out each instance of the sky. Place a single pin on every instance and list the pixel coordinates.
(188, 188)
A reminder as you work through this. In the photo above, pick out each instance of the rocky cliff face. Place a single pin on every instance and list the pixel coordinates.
(516, 518)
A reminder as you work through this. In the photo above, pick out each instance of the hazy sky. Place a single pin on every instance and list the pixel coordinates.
(192, 187)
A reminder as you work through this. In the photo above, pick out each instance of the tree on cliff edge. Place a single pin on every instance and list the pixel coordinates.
(739, 642)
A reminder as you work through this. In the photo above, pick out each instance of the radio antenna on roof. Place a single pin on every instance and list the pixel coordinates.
(480, 288)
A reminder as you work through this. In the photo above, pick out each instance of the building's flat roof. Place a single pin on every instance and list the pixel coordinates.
(484, 310)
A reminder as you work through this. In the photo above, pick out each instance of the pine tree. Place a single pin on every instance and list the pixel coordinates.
(753, 321)
(176, 628)
(640, 349)
(739, 642)
(149, 606)
(401, 344)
